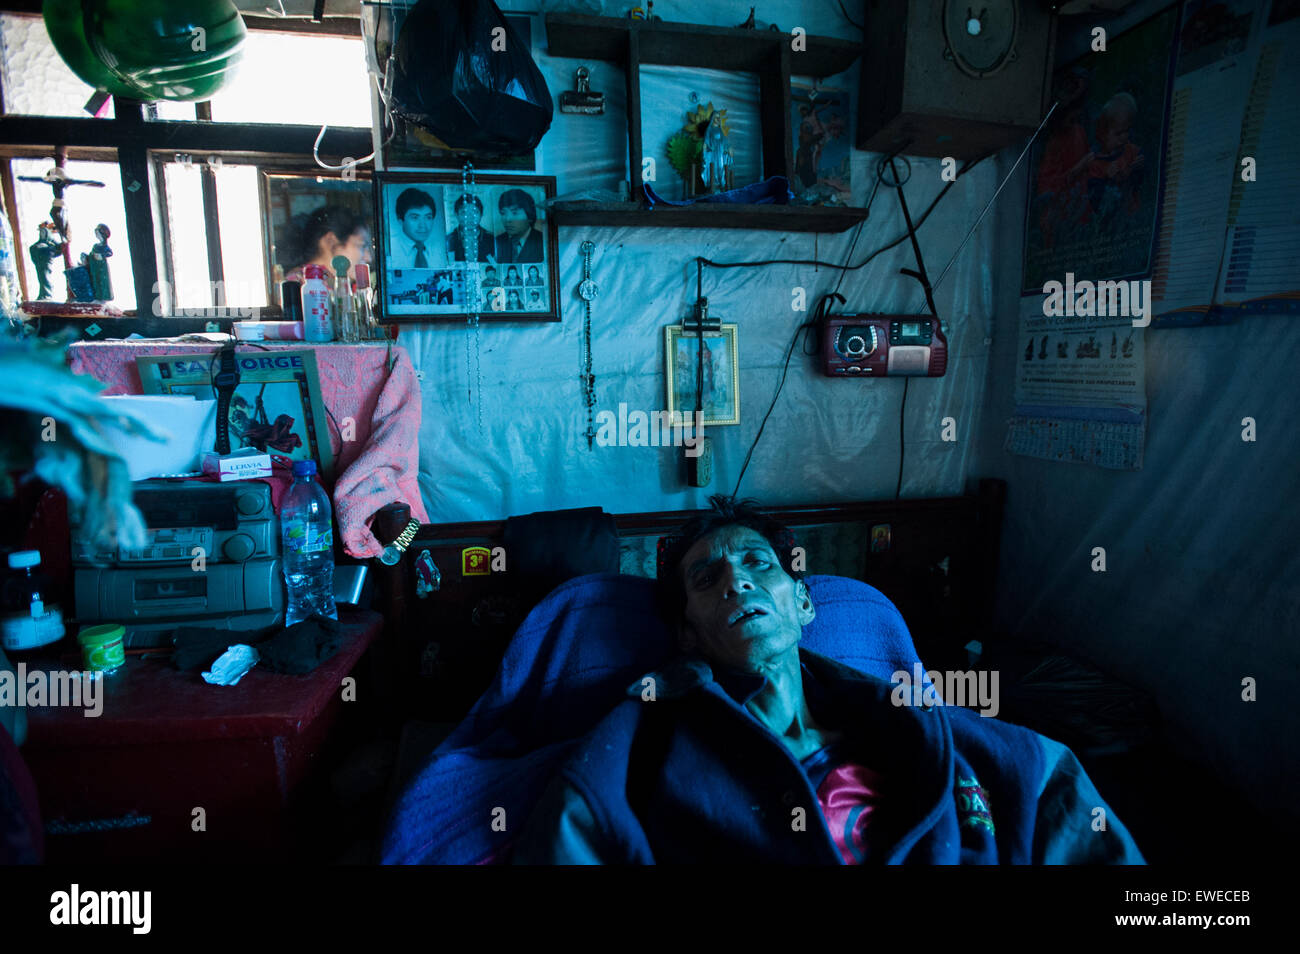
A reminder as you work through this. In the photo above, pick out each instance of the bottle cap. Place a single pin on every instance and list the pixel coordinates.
(23, 559)
(341, 264)
(313, 271)
(304, 468)
(291, 300)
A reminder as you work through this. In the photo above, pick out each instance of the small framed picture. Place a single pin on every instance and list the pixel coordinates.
(446, 252)
(721, 404)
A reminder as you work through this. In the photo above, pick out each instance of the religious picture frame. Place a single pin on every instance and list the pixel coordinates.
(276, 407)
(721, 404)
(447, 250)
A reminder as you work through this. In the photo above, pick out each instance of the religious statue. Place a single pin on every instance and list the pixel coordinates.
(97, 262)
(43, 253)
(717, 157)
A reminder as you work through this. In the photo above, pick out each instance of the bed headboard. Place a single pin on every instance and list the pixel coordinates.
(935, 558)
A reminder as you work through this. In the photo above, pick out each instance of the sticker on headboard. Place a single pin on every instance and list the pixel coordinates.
(880, 536)
(474, 561)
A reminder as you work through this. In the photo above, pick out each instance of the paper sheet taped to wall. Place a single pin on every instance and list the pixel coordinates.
(1080, 388)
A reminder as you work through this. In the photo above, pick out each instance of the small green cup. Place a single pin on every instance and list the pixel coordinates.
(102, 647)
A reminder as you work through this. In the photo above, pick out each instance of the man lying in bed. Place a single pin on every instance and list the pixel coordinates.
(748, 748)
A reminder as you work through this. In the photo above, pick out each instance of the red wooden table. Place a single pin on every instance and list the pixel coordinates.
(125, 786)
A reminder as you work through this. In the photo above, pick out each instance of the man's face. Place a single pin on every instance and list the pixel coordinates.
(357, 247)
(515, 220)
(417, 223)
(742, 608)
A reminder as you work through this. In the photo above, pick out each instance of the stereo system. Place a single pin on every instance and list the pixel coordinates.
(211, 558)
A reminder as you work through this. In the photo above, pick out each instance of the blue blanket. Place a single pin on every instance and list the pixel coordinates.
(568, 665)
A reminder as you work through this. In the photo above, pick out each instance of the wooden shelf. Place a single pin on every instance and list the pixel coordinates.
(630, 43)
(687, 44)
(709, 215)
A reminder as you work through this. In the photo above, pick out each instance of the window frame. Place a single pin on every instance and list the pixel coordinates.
(138, 144)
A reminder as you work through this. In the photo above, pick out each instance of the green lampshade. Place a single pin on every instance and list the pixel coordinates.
(167, 49)
(149, 49)
(64, 23)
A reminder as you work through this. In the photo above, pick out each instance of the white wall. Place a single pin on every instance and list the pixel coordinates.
(827, 440)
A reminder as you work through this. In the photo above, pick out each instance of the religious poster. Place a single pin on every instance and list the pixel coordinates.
(276, 406)
(820, 123)
(1094, 174)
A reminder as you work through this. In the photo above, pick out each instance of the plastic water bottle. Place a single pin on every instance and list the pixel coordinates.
(9, 287)
(308, 546)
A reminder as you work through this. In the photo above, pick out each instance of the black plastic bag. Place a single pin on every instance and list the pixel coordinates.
(453, 77)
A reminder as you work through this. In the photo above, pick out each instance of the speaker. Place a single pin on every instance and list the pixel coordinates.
(954, 78)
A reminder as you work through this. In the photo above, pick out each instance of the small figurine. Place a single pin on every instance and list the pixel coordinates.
(97, 262)
(43, 252)
(717, 157)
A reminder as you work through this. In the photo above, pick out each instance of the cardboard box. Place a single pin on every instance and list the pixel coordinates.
(244, 464)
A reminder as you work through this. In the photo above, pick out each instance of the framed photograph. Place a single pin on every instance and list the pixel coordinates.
(428, 225)
(721, 403)
(303, 214)
(276, 406)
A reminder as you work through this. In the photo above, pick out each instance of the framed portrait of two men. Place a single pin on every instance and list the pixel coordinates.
(447, 251)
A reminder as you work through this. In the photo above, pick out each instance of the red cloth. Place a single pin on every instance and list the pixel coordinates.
(849, 795)
(377, 465)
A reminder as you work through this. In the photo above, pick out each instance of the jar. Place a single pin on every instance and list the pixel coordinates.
(27, 619)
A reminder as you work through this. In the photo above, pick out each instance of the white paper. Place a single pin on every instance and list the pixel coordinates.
(231, 665)
(190, 427)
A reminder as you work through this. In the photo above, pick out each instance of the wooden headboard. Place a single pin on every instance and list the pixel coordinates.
(935, 558)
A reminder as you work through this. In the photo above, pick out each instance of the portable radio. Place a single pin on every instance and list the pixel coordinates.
(876, 346)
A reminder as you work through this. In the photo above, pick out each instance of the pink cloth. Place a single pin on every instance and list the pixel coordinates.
(849, 795)
(376, 466)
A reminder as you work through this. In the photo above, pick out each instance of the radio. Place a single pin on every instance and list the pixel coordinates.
(231, 523)
(210, 558)
(877, 346)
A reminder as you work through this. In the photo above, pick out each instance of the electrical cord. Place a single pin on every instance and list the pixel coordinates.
(880, 251)
(821, 312)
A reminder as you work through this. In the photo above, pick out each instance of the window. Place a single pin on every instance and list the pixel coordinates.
(87, 207)
(297, 79)
(207, 223)
(36, 80)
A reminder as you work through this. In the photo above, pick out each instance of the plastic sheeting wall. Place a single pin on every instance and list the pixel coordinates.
(1202, 581)
(827, 440)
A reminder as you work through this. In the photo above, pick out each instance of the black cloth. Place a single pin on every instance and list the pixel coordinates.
(296, 650)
